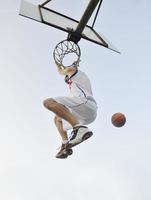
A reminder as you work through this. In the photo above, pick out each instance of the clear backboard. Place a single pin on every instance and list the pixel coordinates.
(45, 15)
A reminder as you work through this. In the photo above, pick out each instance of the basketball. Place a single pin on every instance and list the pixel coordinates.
(118, 119)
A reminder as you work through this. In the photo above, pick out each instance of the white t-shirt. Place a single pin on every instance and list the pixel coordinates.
(80, 85)
(81, 102)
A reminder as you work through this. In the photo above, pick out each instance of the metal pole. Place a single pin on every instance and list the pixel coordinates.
(75, 35)
(86, 16)
(43, 4)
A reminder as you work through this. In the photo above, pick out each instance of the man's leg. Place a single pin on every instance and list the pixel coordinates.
(79, 133)
(63, 133)
(61, 111)
(64, 137)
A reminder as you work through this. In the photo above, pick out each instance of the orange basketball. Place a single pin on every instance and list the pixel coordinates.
(118, 119)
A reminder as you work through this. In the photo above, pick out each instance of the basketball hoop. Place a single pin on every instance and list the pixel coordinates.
(67, 53)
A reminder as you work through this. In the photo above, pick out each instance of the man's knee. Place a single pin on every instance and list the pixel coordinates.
(48, 103)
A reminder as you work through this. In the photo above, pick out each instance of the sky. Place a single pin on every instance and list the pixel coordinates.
(115, 163)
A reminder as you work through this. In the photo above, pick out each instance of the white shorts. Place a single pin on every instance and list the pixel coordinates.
(85, 110)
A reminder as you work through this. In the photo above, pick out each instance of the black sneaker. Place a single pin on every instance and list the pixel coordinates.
(64, 153)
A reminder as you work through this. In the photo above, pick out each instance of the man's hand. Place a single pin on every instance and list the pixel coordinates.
(60, 68)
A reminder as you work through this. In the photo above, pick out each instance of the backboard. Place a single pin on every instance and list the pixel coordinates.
(45, 15)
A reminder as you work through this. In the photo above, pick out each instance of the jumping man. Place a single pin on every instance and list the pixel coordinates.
(75, 111)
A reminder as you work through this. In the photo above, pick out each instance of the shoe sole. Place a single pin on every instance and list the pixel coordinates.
(85, 137)
(62, 156)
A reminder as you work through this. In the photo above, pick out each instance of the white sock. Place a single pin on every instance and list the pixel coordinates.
(64, 141)
(76, 125)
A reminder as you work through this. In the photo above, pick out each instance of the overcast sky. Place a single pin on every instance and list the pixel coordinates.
(115, 163)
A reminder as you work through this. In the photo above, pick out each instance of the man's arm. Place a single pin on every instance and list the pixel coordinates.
(66, 71)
